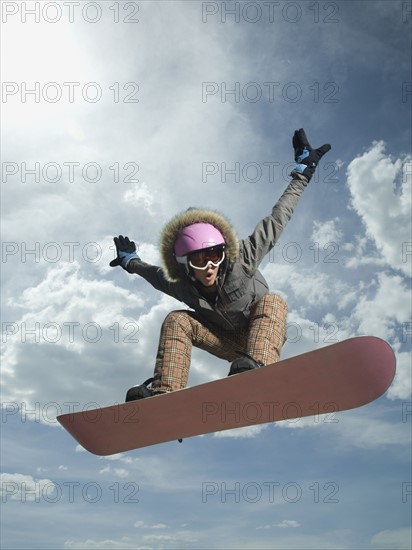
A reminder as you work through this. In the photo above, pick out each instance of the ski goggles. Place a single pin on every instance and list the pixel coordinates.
(202, 259)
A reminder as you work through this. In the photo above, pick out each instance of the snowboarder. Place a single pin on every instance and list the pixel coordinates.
(232, 315)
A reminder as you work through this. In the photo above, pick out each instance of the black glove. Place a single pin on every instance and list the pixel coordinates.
(307, 157)
(126, 251)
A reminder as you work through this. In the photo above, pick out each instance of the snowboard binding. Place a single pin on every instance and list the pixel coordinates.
(140, 392)
(243, 364)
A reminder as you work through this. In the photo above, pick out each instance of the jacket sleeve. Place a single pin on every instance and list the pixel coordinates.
(155, 276)
(267, 232)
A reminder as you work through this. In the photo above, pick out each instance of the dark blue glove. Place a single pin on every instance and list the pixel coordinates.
(126, 251)
(306, 157)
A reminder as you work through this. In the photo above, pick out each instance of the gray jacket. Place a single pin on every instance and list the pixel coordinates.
(240, 283)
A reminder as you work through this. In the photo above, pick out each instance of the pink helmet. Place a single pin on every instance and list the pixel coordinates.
(194, 237)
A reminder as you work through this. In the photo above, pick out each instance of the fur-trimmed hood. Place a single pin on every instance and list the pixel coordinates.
(169, 234)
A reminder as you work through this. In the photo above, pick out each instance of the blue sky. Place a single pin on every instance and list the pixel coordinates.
(111, 127)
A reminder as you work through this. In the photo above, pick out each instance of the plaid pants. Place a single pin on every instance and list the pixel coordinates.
(262, 339)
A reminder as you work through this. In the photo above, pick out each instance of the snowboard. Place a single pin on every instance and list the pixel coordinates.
(334, 378)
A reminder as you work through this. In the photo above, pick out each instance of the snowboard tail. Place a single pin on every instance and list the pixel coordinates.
(335, 378)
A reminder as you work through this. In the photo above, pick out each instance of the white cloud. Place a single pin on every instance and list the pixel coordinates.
(142, 525)
(401, 387)
(384, 210)
(139, 195)
(25, 488)
(396, 539)
(309, 286)
(118, 472)
(285, 524)
(293, 539)
(180, 537)
(361, 428)
(108, 544)
(64, 318)
(365, 430)
(66, 294)
(384, 313)
(242, 433)
(119, 456)
(327, 232)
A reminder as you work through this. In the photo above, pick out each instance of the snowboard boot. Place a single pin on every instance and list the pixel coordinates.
(140, 392)
(242, 364)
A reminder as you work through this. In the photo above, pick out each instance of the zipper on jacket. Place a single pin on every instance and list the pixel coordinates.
(223, 297)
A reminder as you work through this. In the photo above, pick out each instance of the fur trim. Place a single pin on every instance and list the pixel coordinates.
(175, 271)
